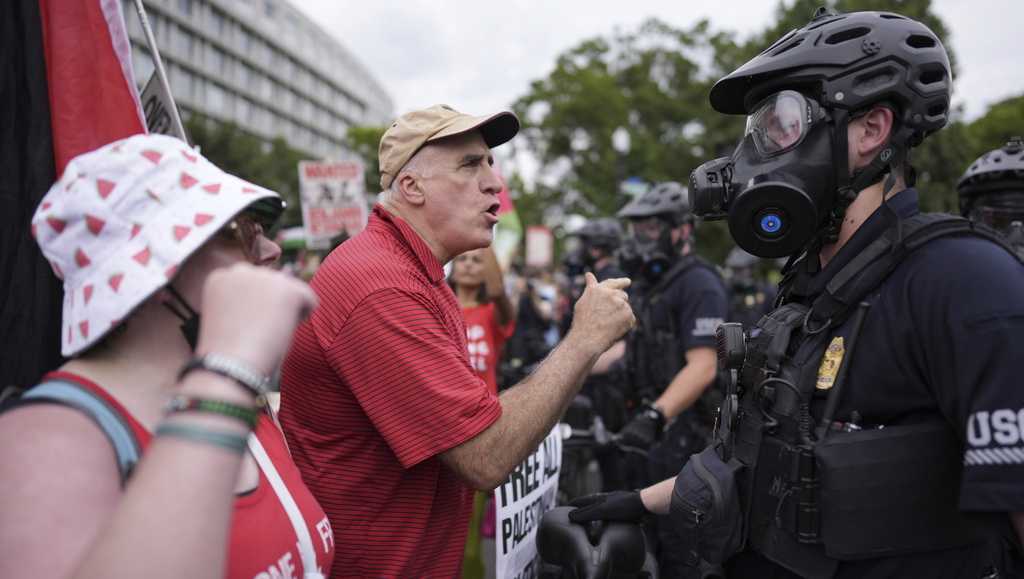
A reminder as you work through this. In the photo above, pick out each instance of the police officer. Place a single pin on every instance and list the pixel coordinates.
(679, 300)
(600, 239)
(992, 192)
(749, 296)
(597, 242)
(875, 426)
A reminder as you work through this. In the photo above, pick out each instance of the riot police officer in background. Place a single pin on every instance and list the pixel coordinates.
(600, 238)
(750, 297)
(594, 251)
(874, 428)
(679, 300)
(992, 192)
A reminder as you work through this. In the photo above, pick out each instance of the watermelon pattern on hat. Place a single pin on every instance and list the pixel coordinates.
(122, 219)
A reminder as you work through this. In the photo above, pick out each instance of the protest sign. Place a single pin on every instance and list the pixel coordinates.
(333, 200)
(528, 492)
(540, 246)
(156, 105)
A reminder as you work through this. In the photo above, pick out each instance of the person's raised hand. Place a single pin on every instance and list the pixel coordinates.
(603, 314)
(249, 313)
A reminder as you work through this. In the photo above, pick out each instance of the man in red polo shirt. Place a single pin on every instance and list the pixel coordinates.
(385, 417)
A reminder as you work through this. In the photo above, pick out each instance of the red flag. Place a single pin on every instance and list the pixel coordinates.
(93, 99)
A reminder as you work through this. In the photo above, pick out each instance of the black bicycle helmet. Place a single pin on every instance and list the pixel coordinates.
(998, 171)
(669, 200)
(849, 62)
(605, 232)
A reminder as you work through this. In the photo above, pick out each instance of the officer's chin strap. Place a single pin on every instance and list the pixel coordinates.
(848, 185)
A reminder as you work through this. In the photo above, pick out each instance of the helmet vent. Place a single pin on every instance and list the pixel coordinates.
(848, 34)
(933, 76)
(921, 41)
(788, 47)
(891, 16)
(936, 110)
(780, 41)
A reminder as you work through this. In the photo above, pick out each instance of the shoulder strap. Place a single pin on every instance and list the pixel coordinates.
(873, 265)
(110, 421)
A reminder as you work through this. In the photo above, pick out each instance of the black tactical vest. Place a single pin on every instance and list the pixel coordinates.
(813, 495)
(654, 351)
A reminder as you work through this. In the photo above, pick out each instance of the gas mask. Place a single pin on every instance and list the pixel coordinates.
(779, 188)
(648, 257)
(575, 260)
(1004, 212)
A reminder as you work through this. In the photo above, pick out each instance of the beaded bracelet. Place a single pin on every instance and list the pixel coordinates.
(186, 403)
(233, 442)
(256, 383)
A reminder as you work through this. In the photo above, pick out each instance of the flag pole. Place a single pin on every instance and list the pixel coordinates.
(160, 72)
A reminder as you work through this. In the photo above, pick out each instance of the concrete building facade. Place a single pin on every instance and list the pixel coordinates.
(263, 65)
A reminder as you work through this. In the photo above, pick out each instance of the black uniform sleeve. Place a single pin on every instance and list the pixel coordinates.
(701, 305)
(968, 309)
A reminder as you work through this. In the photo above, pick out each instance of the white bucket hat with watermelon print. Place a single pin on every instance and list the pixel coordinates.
(122, 219)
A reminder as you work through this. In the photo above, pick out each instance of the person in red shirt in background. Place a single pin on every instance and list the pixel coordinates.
(479, 286)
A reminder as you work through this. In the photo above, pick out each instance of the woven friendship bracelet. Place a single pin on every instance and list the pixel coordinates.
(186, 403)
(233, 442)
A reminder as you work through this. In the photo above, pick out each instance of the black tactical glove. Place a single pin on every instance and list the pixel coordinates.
(621, 506)
(644, 429)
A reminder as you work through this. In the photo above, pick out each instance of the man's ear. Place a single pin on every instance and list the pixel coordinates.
(869, 135)
(410, 189)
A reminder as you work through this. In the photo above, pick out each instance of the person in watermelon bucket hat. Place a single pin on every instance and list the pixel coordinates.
(149, 453)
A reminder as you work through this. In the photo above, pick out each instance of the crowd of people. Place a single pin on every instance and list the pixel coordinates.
(861, 419)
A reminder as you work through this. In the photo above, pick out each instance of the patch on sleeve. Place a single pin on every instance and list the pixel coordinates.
(995, 437)
(706, 326)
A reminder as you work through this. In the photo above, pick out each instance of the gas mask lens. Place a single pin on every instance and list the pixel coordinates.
(779, 123)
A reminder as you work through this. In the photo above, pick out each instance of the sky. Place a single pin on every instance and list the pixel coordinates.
(479, 57)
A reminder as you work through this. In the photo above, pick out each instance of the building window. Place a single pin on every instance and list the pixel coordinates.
(142, 63)
(218, 23)
(266, 88)
(215, 98)
(242, 74)
(215, 60)
(243, 108)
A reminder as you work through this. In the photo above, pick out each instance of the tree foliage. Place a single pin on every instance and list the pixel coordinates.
(273, 165)
(653, 83)
(363, 141)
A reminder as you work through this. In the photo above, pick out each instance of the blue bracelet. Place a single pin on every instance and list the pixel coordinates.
(228, 440)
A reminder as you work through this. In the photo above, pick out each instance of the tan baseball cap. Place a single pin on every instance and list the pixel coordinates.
(413, 130)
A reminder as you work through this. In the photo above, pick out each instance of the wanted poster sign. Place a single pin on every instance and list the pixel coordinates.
(528, 492)
(333, 200)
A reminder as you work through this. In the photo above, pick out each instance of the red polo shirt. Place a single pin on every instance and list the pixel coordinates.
(377, 384)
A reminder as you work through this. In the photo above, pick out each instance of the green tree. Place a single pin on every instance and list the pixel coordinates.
(1003, 120)
(364, 142)
(273, 165)
(653, 83)
(647, 83)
